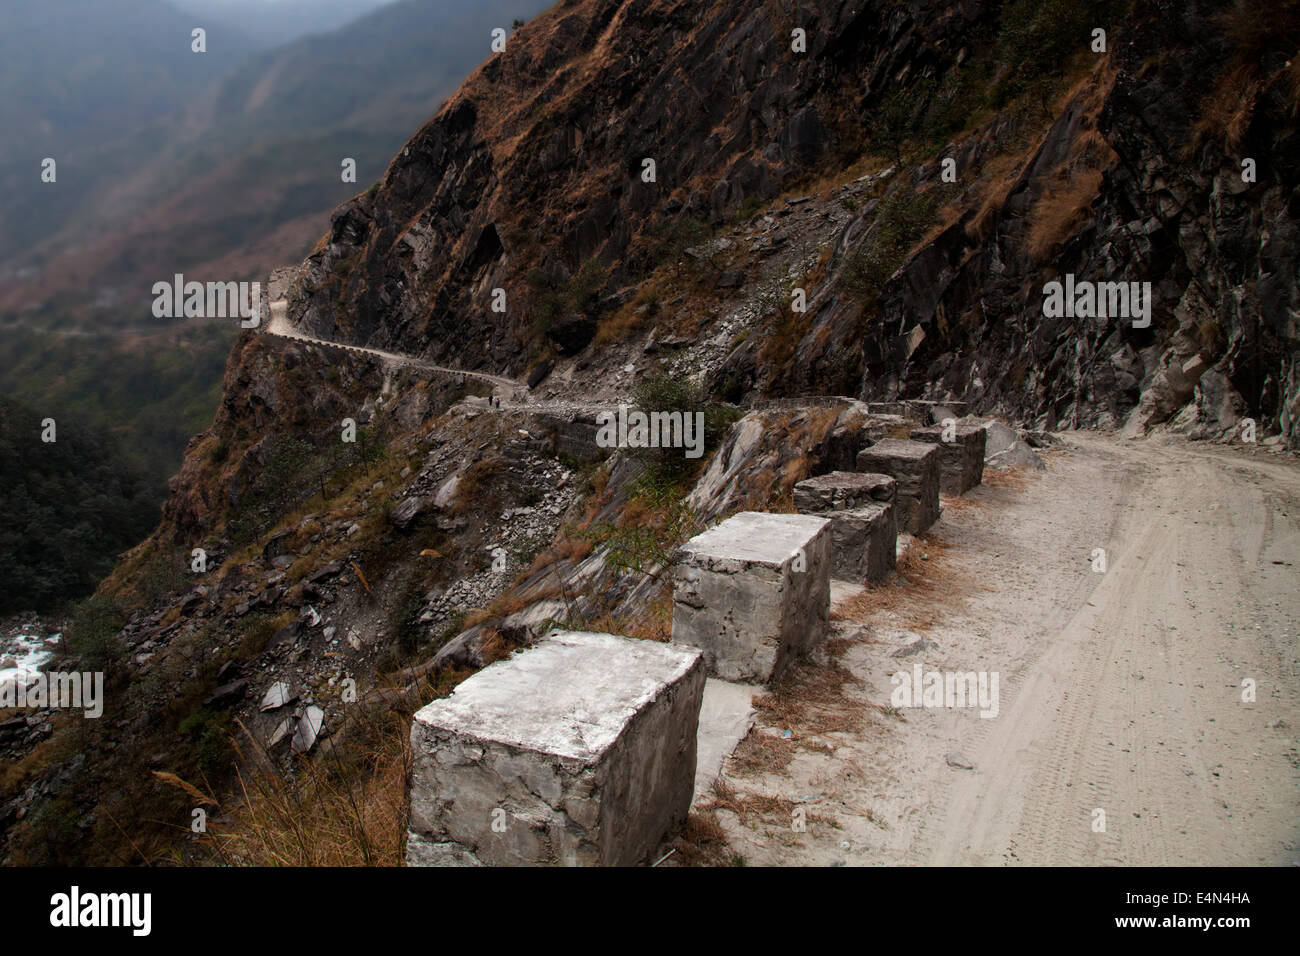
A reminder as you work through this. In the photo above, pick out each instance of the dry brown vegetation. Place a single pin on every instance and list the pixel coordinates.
(702, 842)
(761, 752)
(652, 622)
(810, 697)
(1067, 199)
(1013, 479)
(330, 813)
(1063, 208)
(750, 808)
(767, 808)
(510, 601)
(1000, 176)
(58, 747)
(345, 806)
(477, 482)
(922, 592)
(1254, 30)
(772, 488)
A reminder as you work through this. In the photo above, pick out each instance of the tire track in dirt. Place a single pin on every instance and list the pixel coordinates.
(1120, 691)
(1134, 710)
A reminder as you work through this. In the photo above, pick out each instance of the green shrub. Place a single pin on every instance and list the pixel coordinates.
(1038, 40)
(670, 238)
(902, 219)
(665, 393)
(552, 297)
(585, 287)
(207, 733)
(666, 522)
(749, 208)
(93, 633)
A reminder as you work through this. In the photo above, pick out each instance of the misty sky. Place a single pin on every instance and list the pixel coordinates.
(279, 21)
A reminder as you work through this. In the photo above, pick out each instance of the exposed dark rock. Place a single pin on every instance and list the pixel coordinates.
(572, 333)
(228, 694)
(539, 373)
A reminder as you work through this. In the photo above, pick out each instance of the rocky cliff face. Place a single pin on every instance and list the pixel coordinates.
(801, 238)
(537, 162)
(1152, 194)
(535, 168)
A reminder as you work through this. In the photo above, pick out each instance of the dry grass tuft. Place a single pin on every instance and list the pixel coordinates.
(920, 595)
(1060, 212)
(702, 842)
(762, 752)
(1255, 29)
(959, 503)
(1226, 113)
(652, 622)
(339, 809)
(1012, 479)
(767, 808)
(494, 647)
(810, 697)
(511, 601)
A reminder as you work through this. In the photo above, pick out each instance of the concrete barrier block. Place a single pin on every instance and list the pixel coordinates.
(578, 751)
(961, 455)
(839, 450)
(840, 490)
(915, 466)
(861, 509)
(754, 593)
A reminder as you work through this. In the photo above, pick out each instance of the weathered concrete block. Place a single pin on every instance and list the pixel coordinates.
(931, 412)
(839, 450)
(840, 490)
(578, 751)
(866, 541)
(915, 466)
(919, 410)
(754, 593)
(961, 459)
(863, 529)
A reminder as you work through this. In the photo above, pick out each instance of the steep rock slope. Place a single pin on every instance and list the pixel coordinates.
(537, 162)
(535, 169)
(452, 529)
(1169, 207)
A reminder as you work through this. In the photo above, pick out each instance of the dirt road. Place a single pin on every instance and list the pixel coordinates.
(1121, 734)
(281, 326)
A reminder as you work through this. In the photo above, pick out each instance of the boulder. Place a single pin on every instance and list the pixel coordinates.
(406, 512)
(998, 438)
(1018, 455)
(539, 372)
(842, 490)
(572, 333)
(861, 509)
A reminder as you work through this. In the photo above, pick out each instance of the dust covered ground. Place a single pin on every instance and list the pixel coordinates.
(1120, 692)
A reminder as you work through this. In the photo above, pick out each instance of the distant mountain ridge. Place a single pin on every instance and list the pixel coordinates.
(276, 22)
(75, 74)
(239, 175)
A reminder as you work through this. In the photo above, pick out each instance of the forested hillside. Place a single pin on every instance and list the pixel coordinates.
(71, 506)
